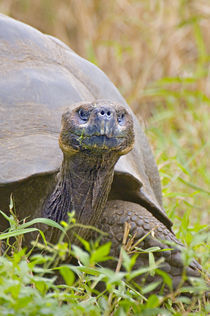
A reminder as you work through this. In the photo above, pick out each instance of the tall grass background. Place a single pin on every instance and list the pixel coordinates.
(157, 53)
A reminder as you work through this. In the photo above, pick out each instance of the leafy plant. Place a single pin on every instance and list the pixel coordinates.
(46, 282)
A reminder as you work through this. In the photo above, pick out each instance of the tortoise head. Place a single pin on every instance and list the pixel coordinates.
(96, 127)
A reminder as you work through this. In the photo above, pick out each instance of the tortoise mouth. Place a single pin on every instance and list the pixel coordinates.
(100, 136)
(100, 141)
(97, 144)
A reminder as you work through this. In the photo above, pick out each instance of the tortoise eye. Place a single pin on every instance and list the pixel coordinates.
(83, 114)
(121, 118)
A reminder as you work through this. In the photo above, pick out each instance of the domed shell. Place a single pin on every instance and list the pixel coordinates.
(39, 77)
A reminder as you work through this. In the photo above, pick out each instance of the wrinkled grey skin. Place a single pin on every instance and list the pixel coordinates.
(39, 78)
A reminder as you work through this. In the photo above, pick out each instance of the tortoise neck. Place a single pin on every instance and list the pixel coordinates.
(83, 186)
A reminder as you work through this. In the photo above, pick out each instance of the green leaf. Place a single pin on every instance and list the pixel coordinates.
(81, 255)
(41, 286)
(140, 271)
(17, 233)
(5, 216)
(42, 220)
(153, 300)
(112, 276)
(166, 278)
(126, 259)
(88, 270)
(152, 263)
(100, 254)
(67, 274)
(84, 242)
(150, 287)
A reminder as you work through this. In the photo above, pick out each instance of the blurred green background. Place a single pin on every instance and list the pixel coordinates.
(157, 53)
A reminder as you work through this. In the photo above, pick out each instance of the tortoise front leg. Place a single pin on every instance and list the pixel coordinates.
(117, 213)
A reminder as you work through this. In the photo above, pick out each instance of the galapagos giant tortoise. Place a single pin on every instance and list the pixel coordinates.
(95, 167)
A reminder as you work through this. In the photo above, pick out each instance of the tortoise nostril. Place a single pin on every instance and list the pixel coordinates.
(105, 114)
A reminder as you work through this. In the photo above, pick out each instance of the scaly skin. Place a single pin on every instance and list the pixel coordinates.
(117, 213)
